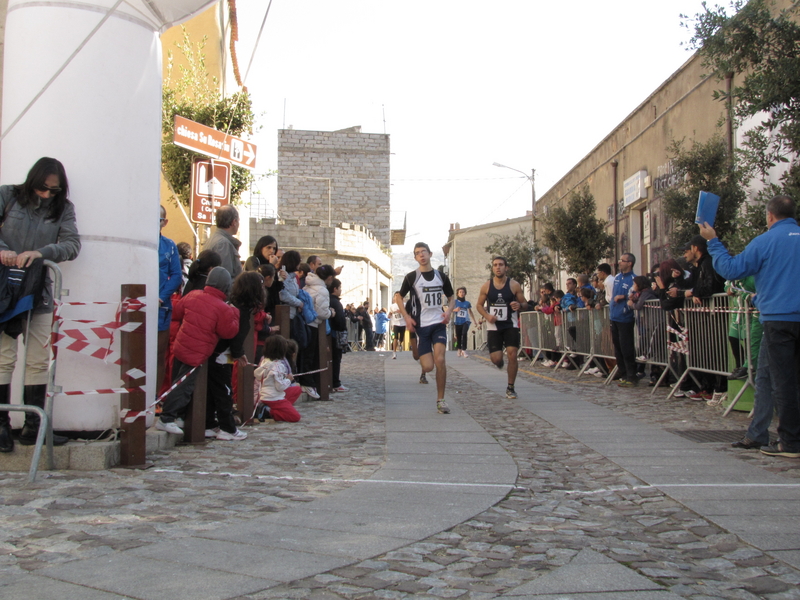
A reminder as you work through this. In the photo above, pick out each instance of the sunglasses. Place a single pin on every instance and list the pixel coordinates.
(52, 190)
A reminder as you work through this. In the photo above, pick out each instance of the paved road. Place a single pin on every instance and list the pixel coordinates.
(572, 491)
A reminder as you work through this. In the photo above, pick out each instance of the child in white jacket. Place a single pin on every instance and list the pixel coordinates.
(274, 381)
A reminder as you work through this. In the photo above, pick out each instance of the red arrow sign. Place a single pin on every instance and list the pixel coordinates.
(211, 142)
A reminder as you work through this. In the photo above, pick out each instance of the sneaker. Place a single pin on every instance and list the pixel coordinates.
(312, 392)
(442, 407)
(341, 389)
(423, 379)
(179, 422)
(510, 393)
(626, 383)
(565, 364)
(168, 427)
(746, 443)
(740, 373)
(598, 373)
(778, 449)
(547, 363)
(212, 433)
(394, 355)
(699, 396)
(591, 370)
(684, 393)
(717, 398)
(641, 358)
(231, 437)
(464, 354)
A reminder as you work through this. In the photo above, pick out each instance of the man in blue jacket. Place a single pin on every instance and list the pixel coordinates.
(622, 322)
(772, 258)
(170, 278)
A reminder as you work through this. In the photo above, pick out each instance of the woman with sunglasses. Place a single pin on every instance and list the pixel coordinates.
(38, 222)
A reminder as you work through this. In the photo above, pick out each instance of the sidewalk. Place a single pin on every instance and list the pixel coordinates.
(559, 494)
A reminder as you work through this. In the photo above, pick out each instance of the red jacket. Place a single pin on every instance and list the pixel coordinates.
(204, 318)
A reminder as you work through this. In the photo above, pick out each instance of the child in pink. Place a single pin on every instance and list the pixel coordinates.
(274, 381)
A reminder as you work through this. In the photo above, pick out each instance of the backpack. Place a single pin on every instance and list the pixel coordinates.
(308, 312)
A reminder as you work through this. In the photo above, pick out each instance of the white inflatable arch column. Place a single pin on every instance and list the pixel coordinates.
(82, 83)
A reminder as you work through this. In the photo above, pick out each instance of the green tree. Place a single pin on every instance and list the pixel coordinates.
(708, 167)
(577, 234)
(194, 94)
(526, 261)
(760, 45)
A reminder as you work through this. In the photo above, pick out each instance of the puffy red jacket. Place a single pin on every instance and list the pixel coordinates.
(205, 318)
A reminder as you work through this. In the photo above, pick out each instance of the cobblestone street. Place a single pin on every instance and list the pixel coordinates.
(569, 502)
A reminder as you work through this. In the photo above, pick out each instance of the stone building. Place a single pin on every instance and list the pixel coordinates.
(333, 201)
(335, 176)
(629, 170)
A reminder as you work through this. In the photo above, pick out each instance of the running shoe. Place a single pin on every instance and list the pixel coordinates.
(510, 393)
(700, 396)
(312, 392)
(236, 436)
(717, 398)
(684, 394)
(212, 433)
(394, 355)
(777, 449)
(626, 383)
(341, 389)
(423, 379)
(442, 407)
(169, 427)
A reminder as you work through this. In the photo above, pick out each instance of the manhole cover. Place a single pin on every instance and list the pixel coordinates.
(708, 436)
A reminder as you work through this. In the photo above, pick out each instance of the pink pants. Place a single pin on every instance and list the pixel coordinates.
(284, 410)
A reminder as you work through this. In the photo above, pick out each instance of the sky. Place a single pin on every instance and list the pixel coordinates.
(458, 86)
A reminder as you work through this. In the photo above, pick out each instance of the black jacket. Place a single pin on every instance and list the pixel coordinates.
(707, 282)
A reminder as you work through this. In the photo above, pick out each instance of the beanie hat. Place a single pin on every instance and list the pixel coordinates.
(220, 279)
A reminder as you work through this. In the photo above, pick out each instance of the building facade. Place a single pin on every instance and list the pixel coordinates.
(333, 201)
(466, 261)
(334, 177)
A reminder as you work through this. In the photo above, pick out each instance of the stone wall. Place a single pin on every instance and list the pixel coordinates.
(354, 165)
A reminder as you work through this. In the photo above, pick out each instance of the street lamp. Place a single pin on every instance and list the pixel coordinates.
(531, 179)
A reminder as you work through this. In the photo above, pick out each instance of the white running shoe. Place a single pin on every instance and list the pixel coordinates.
(231, 437)
(394, 355)
(169, 427)
(212, 433)
(312, 392)
(179, 422)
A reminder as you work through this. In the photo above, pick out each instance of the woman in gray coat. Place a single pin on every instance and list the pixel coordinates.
(38, 222)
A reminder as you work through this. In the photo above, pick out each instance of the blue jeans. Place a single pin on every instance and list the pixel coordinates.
(782, 339)
(764, 404)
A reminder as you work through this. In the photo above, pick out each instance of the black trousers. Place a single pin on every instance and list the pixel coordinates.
(624, 349)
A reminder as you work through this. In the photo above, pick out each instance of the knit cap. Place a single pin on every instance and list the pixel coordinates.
(220, 279)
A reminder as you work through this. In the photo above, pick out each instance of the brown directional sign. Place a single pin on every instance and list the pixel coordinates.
(211, 188)
(216, 144)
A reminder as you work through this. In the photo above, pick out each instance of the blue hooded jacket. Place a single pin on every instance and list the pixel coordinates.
(170, 277)
(773, 258)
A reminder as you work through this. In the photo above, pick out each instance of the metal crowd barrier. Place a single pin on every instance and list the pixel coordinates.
(44, 438)
(703, 339)
(352, 336)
